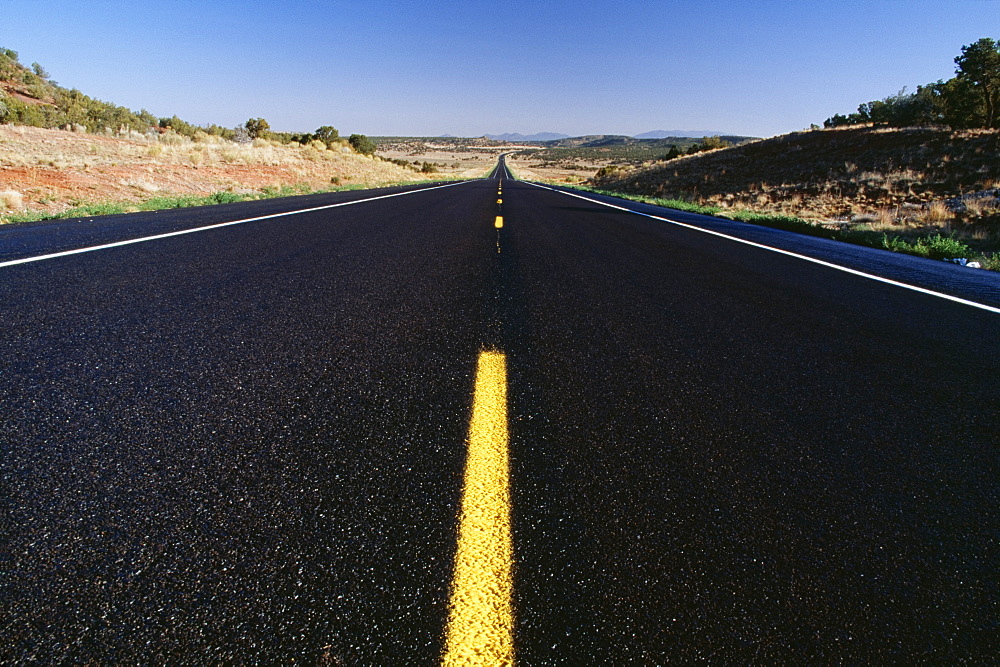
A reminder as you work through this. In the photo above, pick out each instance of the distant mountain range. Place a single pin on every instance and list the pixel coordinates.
(539, 136)
(663, 134)
(655, 134)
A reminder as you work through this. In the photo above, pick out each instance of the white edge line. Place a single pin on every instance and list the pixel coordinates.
(821, 262)
(116, 244)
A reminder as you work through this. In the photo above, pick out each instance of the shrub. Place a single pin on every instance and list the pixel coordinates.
(362, 144)
(257, 128)
(932, 247)
(171, 139)
(713, 142)
(11, 200)
(179, 126)
(327, 134)
(226, 198)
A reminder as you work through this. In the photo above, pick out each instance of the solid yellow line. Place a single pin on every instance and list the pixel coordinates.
(481, 618)
(498, 223)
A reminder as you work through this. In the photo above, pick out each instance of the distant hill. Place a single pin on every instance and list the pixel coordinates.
(539, 136)
(823, 174)
(663, 134)
(609, 140)
(591, 140)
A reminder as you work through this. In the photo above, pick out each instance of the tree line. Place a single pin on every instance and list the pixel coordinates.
(970, 99)
(56, 107)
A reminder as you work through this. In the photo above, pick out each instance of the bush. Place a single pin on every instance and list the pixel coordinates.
(171, 139)
(257, 128)
(362, 144)
(11, 199)
(327, 134)
(931, 247)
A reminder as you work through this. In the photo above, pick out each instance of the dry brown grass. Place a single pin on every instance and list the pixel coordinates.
(556, 172)
(11, 200)
(885, 178)
(451, 161)
(53, 170)
(937, 213)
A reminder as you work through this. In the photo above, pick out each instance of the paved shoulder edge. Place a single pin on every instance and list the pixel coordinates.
(789, 253)
(155, 237)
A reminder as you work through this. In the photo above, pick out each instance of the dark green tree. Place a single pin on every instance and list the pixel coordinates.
(953, 103)
(257, 128)
(979, 65)
(362, 144)
(327, 134)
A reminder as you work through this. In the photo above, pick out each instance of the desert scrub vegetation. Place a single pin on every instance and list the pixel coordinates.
(900, 181)
(983, 248)
(52, 170)
(616, 150)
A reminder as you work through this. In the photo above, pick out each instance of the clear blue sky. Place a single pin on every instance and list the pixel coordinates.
(468, 67)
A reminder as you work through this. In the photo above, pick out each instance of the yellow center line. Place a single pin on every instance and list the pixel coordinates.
(481, 617)
(498, 223)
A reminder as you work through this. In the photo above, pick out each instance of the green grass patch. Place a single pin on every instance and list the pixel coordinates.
(992, 262)
(93, 210)
(932, 247)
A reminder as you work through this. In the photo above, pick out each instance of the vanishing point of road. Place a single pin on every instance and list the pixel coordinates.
(491, 420)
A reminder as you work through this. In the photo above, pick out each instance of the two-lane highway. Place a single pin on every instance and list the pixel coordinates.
(249, 443)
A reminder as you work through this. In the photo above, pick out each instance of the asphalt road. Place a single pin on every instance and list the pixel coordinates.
(246, 444)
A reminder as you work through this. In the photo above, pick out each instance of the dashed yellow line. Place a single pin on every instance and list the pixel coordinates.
(498, 223)
(481, 618)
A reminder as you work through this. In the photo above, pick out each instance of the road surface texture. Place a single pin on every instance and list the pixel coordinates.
(246, 444)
